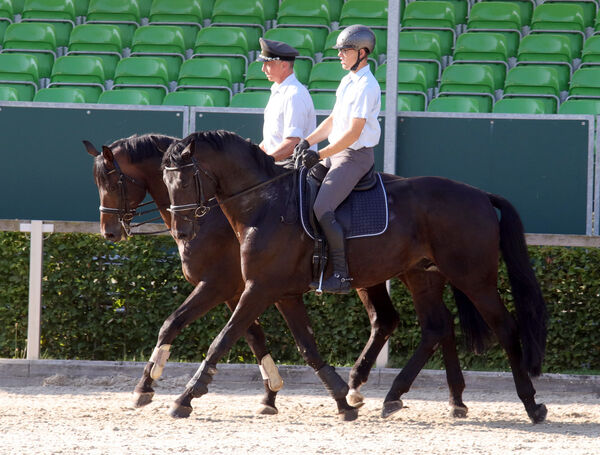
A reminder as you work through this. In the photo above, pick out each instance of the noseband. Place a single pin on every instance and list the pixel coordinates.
(200, 208)
(125, 213)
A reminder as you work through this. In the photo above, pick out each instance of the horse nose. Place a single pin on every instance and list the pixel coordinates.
(112, 235)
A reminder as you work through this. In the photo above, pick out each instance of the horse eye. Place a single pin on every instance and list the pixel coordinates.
(112, 187)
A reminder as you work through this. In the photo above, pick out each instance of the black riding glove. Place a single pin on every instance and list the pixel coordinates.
(301, 147)
(310, 158)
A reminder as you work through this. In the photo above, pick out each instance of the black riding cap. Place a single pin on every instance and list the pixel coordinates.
(276, 50)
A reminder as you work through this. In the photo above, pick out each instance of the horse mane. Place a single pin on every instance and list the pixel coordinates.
(221, 140)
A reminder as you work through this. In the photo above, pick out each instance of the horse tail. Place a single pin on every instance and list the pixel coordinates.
(532, 315)
(475, 331)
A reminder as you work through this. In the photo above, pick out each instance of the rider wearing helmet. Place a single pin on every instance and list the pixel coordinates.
(353, 130)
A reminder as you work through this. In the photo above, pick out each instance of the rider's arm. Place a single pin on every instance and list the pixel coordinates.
(285, 149)
(348, 138)
(322, 131)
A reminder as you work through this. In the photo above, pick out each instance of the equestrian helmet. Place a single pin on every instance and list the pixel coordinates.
(356, 37)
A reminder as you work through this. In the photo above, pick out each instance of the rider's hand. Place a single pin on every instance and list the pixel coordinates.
(301, 147)
(310, 158)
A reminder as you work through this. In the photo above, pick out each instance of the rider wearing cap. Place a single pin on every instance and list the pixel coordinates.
(290, 113)
(352, 130)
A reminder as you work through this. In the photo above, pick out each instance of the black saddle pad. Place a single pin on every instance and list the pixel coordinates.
(362, 214)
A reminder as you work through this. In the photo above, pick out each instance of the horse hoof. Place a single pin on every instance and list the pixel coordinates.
(179, 411)
(391, 407)
(267, 410)
(459, 412)
(141, 399)
(538, 415)
(348, 415)
(355, 398)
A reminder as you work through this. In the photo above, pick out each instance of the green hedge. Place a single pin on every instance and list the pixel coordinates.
(106, 301)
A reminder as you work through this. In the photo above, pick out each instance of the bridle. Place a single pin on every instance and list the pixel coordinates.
(124, 212)
(200, 208)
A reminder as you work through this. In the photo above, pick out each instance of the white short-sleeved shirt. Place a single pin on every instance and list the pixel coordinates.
(290, 112)
(358, 96)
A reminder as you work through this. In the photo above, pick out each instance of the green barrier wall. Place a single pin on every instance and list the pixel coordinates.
(541, 166)
(47, 174)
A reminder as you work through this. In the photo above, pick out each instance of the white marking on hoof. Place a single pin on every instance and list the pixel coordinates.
(159, 356)
(269, 372)
(355, 398)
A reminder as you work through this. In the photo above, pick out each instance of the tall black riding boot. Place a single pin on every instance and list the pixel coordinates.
(339, 281)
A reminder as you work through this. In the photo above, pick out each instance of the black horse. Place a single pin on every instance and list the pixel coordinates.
(432, 220)
(127, 170)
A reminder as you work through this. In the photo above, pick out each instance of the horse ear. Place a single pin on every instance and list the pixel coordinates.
(154, 139)
(90, 148)
(107, 154)
(187, 152)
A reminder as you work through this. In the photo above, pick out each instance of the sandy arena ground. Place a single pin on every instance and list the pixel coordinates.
(94, 416)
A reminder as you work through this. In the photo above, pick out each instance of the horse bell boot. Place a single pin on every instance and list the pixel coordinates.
(339, 281)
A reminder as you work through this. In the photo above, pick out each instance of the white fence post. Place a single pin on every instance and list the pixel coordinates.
(37, 229)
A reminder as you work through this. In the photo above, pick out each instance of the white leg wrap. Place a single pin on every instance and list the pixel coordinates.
(159, 356)
(269, 371)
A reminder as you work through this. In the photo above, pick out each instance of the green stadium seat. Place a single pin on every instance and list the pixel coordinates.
(61, 13)
(189, 98)
(501, 17)
(585, 83)
(164, 41)
(37, 38)
(306, 13)
(147, 73)
(81, 7)
(461, 10)
(250, 99)
(470, 78)
(225, 42)
(485, 48)
(17, 6)
(187, 14)
(589, 7)
(8, 94)
(100, 40)
(125, 96)
(533, 80)
(300, 39)
(404, 105)
(526, 8)
(422, 47)
(435, 16)
(123, 13)
(548, 49)
(561, 18)
(326, 76)
(590, 54)
(523, 105)
(412, 82)
(144, 6)
(20, 71)
(83, 71)
(270, 8)
(323, 100)
(255, 78)
(248, 14)
(60, 95)
(335, 8)
(580, 106)
(211, 74)
(6, 16)
(456, 104)
(373, 14)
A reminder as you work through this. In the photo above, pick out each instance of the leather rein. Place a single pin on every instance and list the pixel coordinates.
(125, 213)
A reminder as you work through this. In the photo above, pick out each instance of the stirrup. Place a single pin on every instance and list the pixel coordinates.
(336, 284)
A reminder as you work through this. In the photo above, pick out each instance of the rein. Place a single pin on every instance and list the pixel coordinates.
(126, 214)
(200, 208)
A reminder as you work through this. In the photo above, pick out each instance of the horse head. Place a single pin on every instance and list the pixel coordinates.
(120, 188)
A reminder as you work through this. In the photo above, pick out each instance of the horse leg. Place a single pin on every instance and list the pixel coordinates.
(384, 319)
(436, 326)
(454, 376)
(505, 327)
(296, 317)
(252, 304)
(255, 337)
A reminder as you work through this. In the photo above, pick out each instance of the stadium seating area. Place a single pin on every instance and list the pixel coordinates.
(508, 56)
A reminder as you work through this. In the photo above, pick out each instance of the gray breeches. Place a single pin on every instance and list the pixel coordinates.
(345, 170)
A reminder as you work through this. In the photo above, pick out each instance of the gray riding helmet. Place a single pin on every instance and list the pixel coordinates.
(356, 37)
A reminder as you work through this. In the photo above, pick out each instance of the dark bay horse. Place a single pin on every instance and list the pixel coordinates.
(129, 168)
(432, 220)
